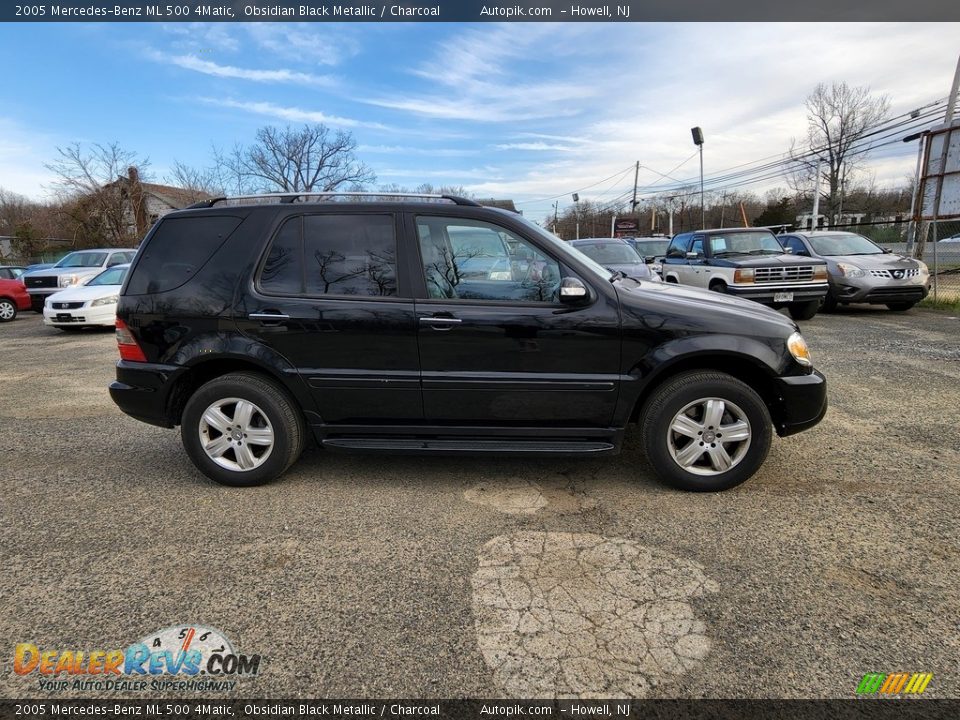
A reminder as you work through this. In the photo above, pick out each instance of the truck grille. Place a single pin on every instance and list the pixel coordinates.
(67, 305)
(40, 282)
(800, 273)
(896, 274)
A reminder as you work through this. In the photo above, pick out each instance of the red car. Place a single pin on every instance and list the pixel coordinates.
(13, 297)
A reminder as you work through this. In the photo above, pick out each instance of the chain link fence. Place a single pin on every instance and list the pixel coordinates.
(937, 244)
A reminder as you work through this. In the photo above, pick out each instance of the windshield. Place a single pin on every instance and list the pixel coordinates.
(561, 247)
(113, 276)
(745, 243)
(82, 259)
(651, 248)
(843, 245)
(609, 253)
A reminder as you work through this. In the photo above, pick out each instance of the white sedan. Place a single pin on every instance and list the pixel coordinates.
(94, 303)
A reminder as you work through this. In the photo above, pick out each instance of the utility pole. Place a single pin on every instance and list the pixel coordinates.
(952, 101)
(633, 203)
(576, 211)
(670, 216)
(814, 221)
(723, 207)
(555, 212)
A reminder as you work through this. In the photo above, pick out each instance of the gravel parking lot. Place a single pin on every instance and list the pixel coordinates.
(363, 576)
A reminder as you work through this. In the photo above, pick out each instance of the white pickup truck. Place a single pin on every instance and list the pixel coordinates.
(73, 269)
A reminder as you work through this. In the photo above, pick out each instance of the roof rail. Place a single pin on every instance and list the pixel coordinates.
(291, 197)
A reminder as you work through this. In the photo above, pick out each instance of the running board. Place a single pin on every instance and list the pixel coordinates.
(498, 446)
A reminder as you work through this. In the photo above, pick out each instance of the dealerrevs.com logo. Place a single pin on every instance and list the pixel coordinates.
(182, 657)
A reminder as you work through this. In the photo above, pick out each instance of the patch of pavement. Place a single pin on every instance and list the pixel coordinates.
(527, 497)
(582, 615)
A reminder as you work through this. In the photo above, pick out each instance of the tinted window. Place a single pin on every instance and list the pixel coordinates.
(474, 260)
(177, 250)
(678, 246)
(350, 255)
(697, 246)
(282, 271)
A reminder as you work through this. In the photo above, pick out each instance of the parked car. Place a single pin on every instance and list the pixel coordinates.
(38, 266)
(252, 323)
(617, 256)
(13, 298)
(91, 304)
(652, 250)
(952, 239)
(860, 271)
(11, 272)
(748, 263)
(73, 269)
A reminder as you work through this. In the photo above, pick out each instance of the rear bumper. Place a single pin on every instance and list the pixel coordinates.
(766, 293)
(803, 402)
(142, 391)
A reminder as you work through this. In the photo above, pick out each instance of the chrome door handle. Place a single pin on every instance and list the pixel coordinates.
(441, 320)
(268, 316)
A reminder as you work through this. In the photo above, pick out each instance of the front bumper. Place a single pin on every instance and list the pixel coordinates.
(879, 291)
(142, 391)
(766, 294)
(105, 315)
(803, 402)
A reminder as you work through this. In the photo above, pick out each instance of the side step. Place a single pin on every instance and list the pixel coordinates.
(463, 445)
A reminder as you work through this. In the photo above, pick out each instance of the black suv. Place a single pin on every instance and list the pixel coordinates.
(749, 263)
(251, 321)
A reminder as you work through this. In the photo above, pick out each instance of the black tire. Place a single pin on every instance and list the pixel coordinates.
(273, 404)
(8, 310)
(829, 303)
(671, 279)
(804, 310)
(900, 306)
(718, 286)
(670, 398)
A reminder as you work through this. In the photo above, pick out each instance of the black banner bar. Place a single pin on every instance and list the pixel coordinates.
(907, 709)
(477, 11)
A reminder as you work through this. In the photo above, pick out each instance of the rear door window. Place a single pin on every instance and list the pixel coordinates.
(331, 254)
(177, 250)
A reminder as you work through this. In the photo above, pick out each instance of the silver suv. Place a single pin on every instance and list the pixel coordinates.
(860, 271)
(74, 269)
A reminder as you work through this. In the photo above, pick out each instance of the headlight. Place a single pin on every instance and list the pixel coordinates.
(924, 270)
(798, 348)
(851, 271)
(743, 275)
(68, 280)
(112, 300)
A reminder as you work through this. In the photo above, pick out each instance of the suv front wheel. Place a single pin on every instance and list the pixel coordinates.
(705, 431)
(242, 429)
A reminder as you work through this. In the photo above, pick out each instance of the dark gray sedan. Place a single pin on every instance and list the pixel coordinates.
(617, 256)
(861, 271)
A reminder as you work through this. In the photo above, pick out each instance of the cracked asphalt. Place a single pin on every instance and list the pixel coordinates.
(415, 577)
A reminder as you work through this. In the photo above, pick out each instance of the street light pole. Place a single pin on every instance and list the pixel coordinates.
(698, 141)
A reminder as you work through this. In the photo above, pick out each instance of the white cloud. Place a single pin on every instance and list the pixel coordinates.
(305, 42)
(208, 67)
(290, 114)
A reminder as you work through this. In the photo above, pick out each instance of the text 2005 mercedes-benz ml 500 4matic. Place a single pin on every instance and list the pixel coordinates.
(431, 324)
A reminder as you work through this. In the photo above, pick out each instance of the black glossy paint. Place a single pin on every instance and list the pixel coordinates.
(377, 367)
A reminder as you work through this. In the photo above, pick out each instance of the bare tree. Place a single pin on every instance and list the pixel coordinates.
(96, 205)
(309, 158)
(838, 119)
(198, 183)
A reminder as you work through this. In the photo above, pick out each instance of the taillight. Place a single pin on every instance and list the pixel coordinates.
(127, 344)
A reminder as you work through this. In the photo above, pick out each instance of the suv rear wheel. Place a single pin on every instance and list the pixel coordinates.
(242, 429)
(705, 431)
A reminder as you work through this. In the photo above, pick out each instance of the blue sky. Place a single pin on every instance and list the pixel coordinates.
(527, 111)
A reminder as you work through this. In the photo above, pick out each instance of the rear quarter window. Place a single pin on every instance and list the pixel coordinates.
(177, 250)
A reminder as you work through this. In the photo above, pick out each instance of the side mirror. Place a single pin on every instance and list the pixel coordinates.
(692, 255)
(788, 251)
(572, 290)
(886, 251)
